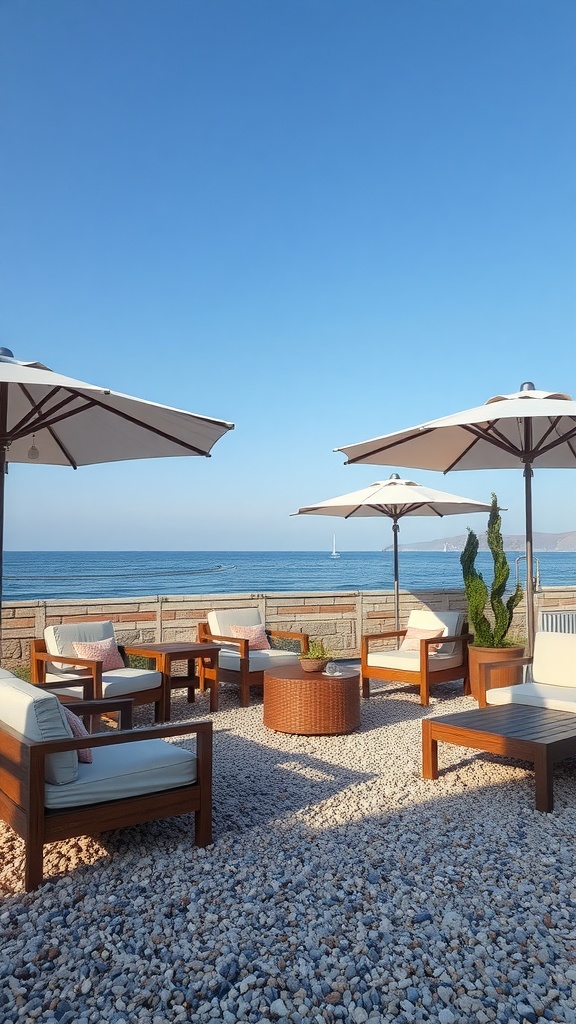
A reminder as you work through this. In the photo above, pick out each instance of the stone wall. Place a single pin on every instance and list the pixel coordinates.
(339, 618)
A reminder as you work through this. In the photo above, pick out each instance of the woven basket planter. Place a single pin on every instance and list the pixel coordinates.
(313, 664)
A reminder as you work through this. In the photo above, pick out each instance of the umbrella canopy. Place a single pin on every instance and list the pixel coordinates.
(394, 498)
(55, 420)
(528, 428)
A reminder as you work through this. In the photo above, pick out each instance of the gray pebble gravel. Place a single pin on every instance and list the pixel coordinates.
(340, 887)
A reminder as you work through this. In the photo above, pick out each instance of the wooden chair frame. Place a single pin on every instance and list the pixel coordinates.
(39, 658)
(422, 677)
(487, 668)
(243, 676)
(22, 764)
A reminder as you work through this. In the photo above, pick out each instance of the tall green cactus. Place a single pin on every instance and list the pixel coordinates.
(489, 633)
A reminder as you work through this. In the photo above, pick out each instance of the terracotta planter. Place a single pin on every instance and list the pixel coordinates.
(501, 677)
(313, 664)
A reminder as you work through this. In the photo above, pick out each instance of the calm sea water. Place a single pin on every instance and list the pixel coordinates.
(41, 575)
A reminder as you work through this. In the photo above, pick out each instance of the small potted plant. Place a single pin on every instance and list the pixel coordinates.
(490, 631)
(315, 658)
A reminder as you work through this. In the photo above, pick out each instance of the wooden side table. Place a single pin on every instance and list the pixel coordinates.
(165, 653)
(311, 703)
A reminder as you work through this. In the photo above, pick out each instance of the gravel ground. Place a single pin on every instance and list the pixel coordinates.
(340, 886)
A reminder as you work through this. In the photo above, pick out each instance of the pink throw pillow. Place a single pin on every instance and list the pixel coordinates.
(256, 636)
(105, 651)
(411, 641)
(78, 729)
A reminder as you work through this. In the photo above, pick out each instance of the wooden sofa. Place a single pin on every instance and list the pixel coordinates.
(47, 796)
(551, 681)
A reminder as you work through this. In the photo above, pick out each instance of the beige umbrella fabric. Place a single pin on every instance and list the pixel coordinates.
(394, 499)
(528, 428)
(55, 420)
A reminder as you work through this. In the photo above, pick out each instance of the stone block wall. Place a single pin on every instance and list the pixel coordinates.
(338, 618)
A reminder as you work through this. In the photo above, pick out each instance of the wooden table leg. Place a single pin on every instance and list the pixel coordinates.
(192, 676)
(214, 683)
(429, 752)
(543, 778)
(165, 667)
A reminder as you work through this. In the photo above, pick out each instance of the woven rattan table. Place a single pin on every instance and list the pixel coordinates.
(310, 703)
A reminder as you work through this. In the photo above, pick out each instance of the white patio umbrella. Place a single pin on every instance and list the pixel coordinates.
(528, 428)
(394, 498)
(54, 420)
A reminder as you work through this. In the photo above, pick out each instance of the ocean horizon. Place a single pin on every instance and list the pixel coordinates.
(45, 575)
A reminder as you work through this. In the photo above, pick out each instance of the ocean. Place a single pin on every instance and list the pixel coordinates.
(41, 575)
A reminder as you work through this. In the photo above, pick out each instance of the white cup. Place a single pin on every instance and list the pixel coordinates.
(331, 669)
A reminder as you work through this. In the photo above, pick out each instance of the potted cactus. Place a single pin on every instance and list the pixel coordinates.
(491, 630)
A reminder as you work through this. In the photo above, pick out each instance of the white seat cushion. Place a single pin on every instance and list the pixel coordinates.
(555, 659)
(259, 661)
(409, 661)
(221, 620)
(558, 698)
(38, 715)
(114, 683)
(125, 770)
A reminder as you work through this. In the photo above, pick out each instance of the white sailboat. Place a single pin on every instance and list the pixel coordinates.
(335, 554)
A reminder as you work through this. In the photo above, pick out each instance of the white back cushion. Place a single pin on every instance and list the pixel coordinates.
(38, 715)
(222, 619)
(555, 659)
(450, 622)
(60, 639)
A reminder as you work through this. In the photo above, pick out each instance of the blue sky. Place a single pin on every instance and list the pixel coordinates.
(322, 220)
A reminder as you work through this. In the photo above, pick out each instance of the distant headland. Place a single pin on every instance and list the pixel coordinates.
(512, 542)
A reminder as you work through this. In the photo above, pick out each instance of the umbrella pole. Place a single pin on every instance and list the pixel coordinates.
(529, 559)
(395, 529)
(529, 549)
(3, 471)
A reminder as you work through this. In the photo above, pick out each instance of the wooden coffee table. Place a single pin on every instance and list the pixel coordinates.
(165, 653)
(310, 703)
(529, 733)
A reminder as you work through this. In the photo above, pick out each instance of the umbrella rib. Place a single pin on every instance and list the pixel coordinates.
(46, 426)
(154, 430)
(386, 447)
(56, 416)
(491, 434)
(563, 439)
(27, 424)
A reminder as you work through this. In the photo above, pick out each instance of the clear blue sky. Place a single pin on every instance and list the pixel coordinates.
(322, 220)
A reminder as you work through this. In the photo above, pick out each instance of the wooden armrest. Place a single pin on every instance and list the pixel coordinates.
(304, 638)
(106, 739)
(241, 644)
(485, 669)
(86, 682)
(389, 634)
(66, 659)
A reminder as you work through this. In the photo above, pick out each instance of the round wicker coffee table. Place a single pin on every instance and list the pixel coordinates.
(310, 703)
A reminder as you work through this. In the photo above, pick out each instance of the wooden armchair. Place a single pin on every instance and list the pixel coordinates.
(54, 661)
(238, 662)
(135, 776)
(417, 661)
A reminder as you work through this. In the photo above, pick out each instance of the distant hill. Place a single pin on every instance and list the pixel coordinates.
(512, 542)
